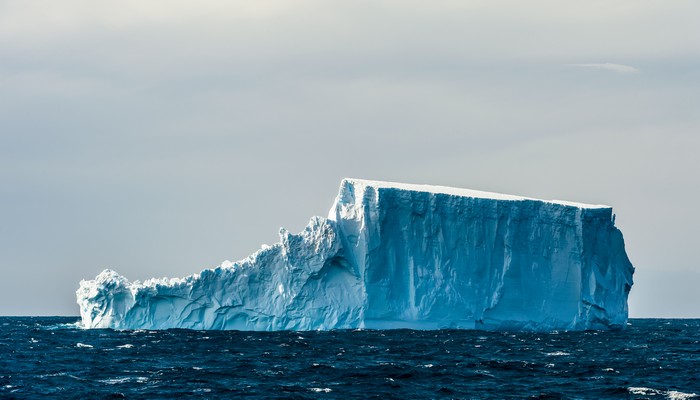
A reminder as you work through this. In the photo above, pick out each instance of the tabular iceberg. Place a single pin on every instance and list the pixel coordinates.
(393, 255)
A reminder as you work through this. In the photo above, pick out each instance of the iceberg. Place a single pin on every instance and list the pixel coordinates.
(392, 255)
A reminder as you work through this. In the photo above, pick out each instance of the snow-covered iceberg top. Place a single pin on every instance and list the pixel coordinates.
(394, 255)
(457, 192)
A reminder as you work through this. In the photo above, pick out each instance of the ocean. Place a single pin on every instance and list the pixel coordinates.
(48, 357)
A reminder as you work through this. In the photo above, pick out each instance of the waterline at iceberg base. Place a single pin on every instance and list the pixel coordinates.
(393, 255)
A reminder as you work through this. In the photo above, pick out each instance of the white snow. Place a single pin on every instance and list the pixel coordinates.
(394, 255)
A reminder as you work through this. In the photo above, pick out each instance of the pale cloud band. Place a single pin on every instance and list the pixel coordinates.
(620, 68)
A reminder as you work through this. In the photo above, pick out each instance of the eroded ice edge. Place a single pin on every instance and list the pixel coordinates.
(393, 255)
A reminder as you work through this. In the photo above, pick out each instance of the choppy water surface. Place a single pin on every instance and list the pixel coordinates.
(46, 357)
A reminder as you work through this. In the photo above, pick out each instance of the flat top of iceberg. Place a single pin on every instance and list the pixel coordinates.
(461, 192)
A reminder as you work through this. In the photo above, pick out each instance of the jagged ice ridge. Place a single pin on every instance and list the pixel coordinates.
(393, 255)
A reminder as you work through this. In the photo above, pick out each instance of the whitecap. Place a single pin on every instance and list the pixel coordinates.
(114, 381)
(89, 346)
(125, 346)
(319, 390)
(676, 395)
(72, 325)
(558, 353)
(671, 394)
(643, 391)
(52, 375)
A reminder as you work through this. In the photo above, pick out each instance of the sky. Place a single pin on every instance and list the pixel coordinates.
(158, 138)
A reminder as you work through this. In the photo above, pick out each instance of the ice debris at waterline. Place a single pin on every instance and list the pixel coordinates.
(393, 255)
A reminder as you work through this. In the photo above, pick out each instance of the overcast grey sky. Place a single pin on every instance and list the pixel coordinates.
(158, 138)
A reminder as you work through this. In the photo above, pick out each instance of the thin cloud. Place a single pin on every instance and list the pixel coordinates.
(623, 69)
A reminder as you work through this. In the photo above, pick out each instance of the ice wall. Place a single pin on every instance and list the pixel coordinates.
(399, 256)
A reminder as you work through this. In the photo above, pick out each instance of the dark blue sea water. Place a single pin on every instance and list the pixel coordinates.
(48, 358)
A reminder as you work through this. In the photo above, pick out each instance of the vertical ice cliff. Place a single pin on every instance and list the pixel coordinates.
(393, 255)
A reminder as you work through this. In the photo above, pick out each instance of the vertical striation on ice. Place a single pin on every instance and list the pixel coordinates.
(393, 255)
